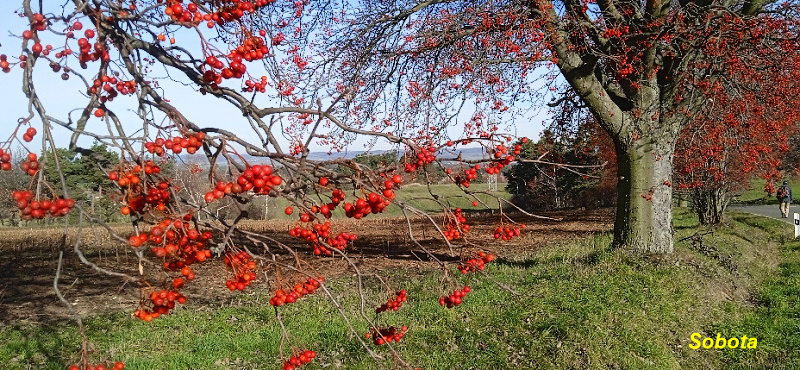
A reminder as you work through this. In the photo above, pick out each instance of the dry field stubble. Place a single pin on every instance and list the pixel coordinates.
(29, 256)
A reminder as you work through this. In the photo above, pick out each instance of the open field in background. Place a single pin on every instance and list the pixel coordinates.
(579, 305)
(382, 244)
(415, 195)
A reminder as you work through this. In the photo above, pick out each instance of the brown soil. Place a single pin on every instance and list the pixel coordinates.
(29, 258)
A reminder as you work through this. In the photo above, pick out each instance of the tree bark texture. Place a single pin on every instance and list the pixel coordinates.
(644, 200)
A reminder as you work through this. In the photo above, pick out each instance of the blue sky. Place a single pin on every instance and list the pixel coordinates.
(60, 97)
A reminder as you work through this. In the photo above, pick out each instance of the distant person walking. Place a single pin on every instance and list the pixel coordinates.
(784, 195)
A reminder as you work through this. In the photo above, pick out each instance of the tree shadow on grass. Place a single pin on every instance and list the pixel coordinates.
(45, 345)
(759, 222)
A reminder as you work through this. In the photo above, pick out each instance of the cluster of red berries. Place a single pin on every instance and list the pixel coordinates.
(362, 208)
(502, 158)
(223, 188)
(326, 209)
(183, 246)
(258, 178)
(119, 365)
(134, 195)
(158, 196)
(126, 176)
(38, 24)
(191, 143)
(5, 160)
(210, 76)
(649, 195)
(136, 241)
(508, 233)
(86, 55)
(235, 10)
(185, 270)
(253, 48)
(424, 157)
(381, 336)
(339, 242)
(34, 209)
(456, 225)
(393, 303)
(296, 148)
(305, 118)
(469, 175)
(112, 87)
(29, 134)
(278, 38)
(174, 239)
(299, 360)
(624, 70)
(30, 165)
(243, 270)
(282, 297)
(162, 301)
(256, 85)
(455, 297)
(391, 184)
(320, 232)
(5, 66)
(475, 263)
(178, 13)
(616, 32)
(299, 62)
(336, 197)
(237, 69)
(151, 168)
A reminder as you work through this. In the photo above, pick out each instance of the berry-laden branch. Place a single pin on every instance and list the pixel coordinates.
(131, 55)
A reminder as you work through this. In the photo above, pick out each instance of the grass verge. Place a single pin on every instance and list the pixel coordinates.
(755, 194)
(579, 305)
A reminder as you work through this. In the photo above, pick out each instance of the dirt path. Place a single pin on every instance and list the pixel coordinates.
(28, 260)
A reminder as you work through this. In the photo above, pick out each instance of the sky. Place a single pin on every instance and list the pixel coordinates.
(61, 97)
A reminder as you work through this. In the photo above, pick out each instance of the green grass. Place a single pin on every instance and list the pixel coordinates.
(580, 305)
(756, 194)
(775, 321)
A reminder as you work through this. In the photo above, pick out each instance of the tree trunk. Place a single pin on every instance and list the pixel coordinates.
(644, 200)
(710, 204)
(644, 125)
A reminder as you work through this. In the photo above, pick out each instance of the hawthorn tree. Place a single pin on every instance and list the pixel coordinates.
(643, 69)
(731, 141)
(297, 73)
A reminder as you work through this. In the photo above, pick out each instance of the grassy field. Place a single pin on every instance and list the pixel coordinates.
(756, 194)
(418, 196)
(580, 304)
